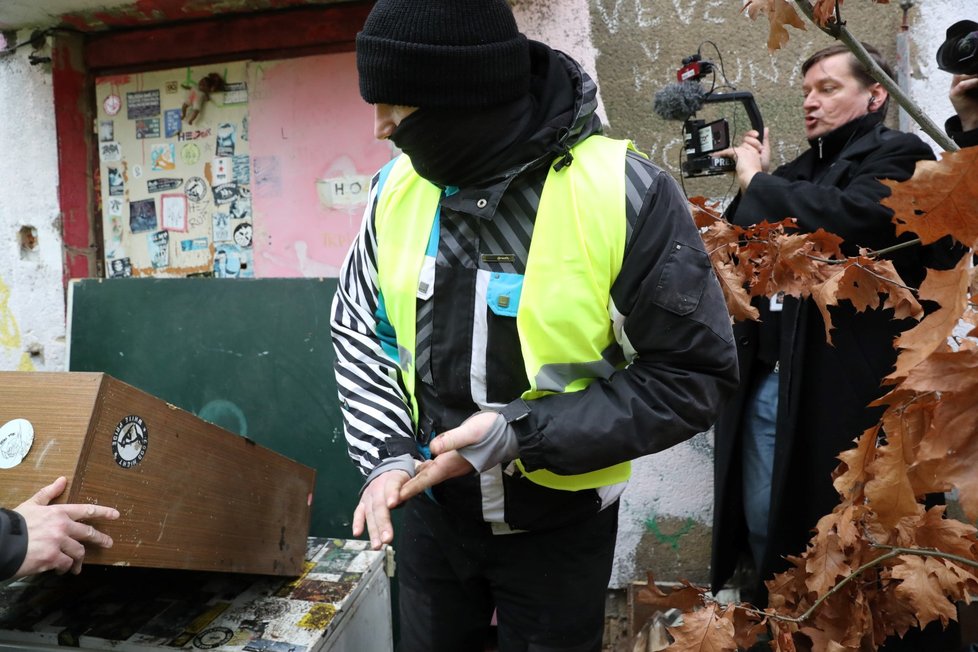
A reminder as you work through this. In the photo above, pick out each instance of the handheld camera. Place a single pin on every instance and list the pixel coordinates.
(681, 101)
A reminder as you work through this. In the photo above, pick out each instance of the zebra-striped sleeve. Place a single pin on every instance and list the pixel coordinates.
(373, 401)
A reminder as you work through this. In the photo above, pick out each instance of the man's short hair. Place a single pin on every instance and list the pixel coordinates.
(858, 69)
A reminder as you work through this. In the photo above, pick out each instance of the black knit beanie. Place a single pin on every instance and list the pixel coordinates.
(442, 53)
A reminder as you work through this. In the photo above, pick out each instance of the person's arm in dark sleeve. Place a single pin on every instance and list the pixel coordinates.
(963, 137)
(13, 542)
(670, 318)
(375, 406)
(853, 213)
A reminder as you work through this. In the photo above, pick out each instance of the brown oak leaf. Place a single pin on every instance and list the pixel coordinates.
(703, 631)
(779, 13)
(686, 598)
(939, 199)
(890, 495)
(948, 288)
(921, 588)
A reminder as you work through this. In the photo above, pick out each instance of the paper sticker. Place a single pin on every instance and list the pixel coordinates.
(159, 249)
(116, 182)
(163, 157)
(171, 87)
(195, 134)
(242, 235)
(195, 244)
(240, 208)
(137, 172)
(224, 193)
(173, 122)
(163, 184)
(241, 169)
(339, 192)
(109, 152)
(195, 189)
(221, 170)
(221, 231)
(130, 441)
(143, 104)
(142, 215)
(112, 104)
(106, 131)
(225, 139)
(236, 93)
(190, 154)
(230, 261)
(114, 207)
(120, 268)
(16, 438)
(174, 212)
(147, 128)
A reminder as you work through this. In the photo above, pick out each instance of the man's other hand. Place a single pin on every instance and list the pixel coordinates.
(446, 462)
(57, 534)
(374, 509)
(964, 97)
(752, 155)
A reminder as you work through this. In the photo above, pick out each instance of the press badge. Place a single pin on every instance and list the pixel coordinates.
(777, 302)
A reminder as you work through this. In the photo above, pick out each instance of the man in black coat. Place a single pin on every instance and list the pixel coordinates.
(802, 400)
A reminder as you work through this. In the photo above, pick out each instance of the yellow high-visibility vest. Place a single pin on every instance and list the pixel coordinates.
(561, 310)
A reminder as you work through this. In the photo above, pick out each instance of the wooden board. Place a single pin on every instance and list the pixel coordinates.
(192, 495)
(253, 356)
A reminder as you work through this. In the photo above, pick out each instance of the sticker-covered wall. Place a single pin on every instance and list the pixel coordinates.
(32, 318)
(238, 170)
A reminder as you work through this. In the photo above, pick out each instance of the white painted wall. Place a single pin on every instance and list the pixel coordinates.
(929, 85)
(32, 314)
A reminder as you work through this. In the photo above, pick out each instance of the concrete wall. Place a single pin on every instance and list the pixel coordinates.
(32, 317)
(633, 47)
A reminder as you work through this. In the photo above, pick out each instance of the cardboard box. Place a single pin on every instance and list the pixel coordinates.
(191, 495)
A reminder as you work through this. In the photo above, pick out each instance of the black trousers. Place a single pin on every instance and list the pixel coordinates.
(548, 588)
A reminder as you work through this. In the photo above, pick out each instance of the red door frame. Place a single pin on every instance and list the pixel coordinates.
(78, 59)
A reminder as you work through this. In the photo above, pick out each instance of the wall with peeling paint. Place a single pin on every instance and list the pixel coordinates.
(633, 48)
(32, 318)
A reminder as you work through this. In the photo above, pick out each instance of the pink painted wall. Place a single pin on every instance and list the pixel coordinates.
(307, 124)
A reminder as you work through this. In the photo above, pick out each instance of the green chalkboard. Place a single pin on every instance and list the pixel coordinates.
(252, 355)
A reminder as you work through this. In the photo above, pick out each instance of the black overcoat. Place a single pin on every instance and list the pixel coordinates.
(824, 388)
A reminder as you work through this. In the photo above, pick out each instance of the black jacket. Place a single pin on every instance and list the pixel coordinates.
(13, 542)
(956, 131)
(666, 308)
(824, 389)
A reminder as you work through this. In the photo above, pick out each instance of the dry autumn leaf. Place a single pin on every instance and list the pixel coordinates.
(704, 631)
(921, 588)
(779, 13)
(949, 289)
(939, 199)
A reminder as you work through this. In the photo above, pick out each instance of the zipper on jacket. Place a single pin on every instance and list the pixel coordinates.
(819, 147)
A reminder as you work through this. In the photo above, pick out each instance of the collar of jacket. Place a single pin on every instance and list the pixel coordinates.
(830, 145)
(557, 130)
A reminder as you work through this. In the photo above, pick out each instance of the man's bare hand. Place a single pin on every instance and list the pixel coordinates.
(374, 509)
(447, 463)
(964, 98)
(57, 534)
(752, 155)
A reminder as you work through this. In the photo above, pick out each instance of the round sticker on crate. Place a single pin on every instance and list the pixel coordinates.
(130, 441)
(16, 438)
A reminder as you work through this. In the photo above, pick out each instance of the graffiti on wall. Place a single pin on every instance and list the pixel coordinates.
(9, 332)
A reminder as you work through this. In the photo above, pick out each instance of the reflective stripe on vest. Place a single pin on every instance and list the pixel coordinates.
(562, 318)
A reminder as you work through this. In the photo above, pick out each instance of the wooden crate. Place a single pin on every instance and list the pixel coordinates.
(191, 495)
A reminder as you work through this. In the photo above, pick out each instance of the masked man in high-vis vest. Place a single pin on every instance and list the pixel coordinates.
(527, 308)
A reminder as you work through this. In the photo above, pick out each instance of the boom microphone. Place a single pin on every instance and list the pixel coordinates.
(679, 101)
